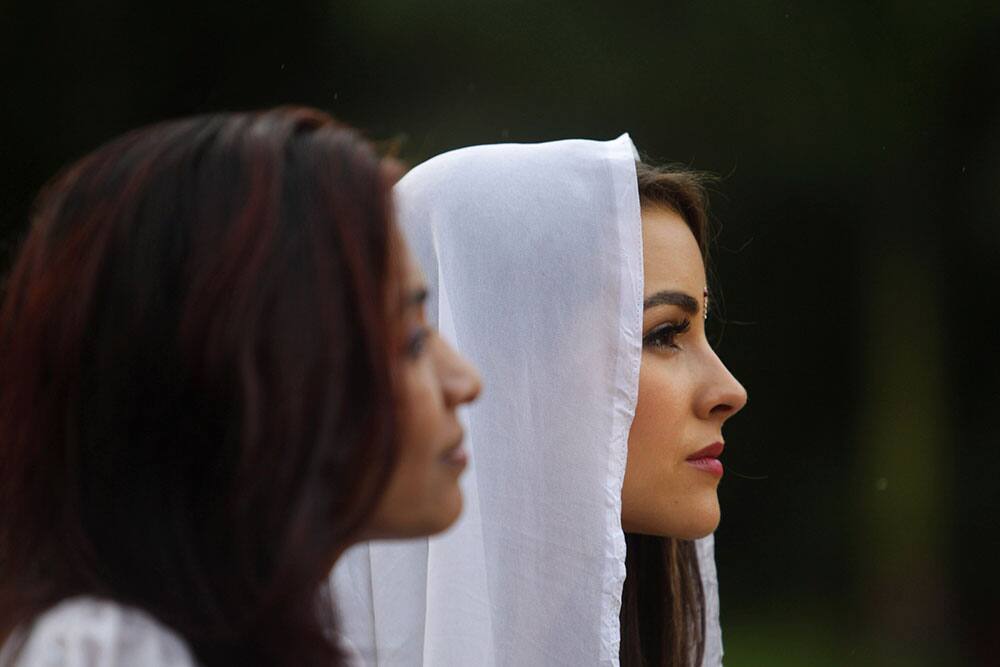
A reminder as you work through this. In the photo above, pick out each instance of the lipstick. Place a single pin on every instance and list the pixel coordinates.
(707, 459)
(456, 456)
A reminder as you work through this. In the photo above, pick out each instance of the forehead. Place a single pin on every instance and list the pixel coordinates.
(671, 258)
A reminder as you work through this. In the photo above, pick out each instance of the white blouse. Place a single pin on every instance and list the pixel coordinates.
(87, 632)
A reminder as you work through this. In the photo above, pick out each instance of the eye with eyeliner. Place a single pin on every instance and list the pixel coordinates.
(664, 335)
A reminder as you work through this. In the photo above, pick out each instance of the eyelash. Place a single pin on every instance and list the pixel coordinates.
(662, 337)
(417, 342)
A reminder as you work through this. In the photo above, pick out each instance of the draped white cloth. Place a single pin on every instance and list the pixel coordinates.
(533, 257)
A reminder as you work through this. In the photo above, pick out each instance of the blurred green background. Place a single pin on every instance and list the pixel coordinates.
(859, 251)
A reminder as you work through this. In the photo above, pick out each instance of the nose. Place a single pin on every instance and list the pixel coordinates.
(724, 396)
(460, 380)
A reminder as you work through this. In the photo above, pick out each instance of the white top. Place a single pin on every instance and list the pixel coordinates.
(87, 632)
(533, 257)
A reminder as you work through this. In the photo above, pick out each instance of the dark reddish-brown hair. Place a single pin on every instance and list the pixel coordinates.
(196, 400)
(663, 604)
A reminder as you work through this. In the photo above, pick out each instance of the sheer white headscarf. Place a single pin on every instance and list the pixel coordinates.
(533, 258)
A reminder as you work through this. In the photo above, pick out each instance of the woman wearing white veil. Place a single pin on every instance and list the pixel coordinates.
(533, 256)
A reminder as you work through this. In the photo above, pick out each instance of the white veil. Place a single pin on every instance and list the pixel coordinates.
(533, 257)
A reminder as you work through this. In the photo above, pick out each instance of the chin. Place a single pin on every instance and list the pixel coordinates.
(445, 514)
(702, 529)
(703, 520)
(431, 518)
(696, 520)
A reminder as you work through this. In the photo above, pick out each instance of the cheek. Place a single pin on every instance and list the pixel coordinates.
(423, 495)
(426, 427)
(659, 410)
(662, 495)
(412, 477)
(420, 414)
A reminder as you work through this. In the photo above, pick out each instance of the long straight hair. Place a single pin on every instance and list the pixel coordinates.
(663, 604)
(197, 397)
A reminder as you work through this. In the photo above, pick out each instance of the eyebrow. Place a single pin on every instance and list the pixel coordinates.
(668, 298)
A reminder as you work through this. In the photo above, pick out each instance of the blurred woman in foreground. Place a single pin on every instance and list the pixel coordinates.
(216, 377)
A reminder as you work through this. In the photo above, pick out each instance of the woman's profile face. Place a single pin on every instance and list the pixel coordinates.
(685, 393)
(423, 495)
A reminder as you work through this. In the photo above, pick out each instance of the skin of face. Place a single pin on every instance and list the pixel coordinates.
(423, 495)
(685, 392)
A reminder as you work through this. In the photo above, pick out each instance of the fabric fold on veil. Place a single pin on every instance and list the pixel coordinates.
(533, 258)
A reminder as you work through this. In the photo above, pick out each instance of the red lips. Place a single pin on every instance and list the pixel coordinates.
(707, 459)
(711, 452)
